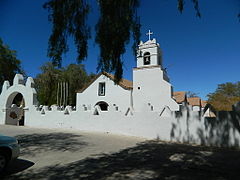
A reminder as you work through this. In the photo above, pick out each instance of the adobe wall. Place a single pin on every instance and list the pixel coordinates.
(145, 91)
(184, 126)
(9, 92)
(113, 95)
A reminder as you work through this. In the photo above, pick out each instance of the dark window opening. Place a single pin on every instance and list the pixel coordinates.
(146, 58)
(103, 106)
(18, 100)
(21, 121)
(101, 89)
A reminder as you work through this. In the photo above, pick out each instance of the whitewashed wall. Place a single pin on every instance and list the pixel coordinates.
(184, 126)
(150, 87)
(9, 92)
(153, 48)
(113, 95)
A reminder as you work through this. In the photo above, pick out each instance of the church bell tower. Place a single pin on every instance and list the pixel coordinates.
(151, 87)
(149, 53)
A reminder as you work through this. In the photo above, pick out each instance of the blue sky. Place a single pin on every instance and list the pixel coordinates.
(199, 53)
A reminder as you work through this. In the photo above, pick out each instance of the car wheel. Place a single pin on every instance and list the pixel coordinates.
(3, 161)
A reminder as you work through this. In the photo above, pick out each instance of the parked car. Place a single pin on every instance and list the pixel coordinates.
(9, 150)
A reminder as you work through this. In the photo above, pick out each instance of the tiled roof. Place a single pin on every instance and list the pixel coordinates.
(179, 96)
(194, 101)
(203, 103)
(124, 83)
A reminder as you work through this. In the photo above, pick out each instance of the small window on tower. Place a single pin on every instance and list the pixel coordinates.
(101, 89)
(146, 58)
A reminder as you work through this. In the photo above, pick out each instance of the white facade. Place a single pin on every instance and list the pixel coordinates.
(151, 88)
(144, 108)
(9, 93)
(151, 47)
(151, 85)
(114, 95)
(196, 108)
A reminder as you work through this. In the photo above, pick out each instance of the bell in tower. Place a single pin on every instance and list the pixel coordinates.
(149, 53)
(151, 85)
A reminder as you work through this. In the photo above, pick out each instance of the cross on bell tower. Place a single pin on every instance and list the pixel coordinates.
(149, 34)
(149, 52)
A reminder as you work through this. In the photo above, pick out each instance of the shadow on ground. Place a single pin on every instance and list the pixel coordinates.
(18, 165)
(33, 144)
(148, 160)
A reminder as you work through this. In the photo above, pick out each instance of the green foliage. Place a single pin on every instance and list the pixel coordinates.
(9, 64)
(69, 19)
(47, 82)
(118, 22)
(118, 19)
(181, 4)
(77, 78)
(225, 96)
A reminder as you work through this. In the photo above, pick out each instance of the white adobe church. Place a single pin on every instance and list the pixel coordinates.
(145, 107)
(150, 88)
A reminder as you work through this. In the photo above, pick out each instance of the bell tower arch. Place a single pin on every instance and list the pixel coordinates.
(149, 53)
(151, 85)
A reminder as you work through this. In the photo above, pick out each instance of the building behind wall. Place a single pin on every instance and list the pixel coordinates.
(149, 99)
(150, 88)
(103, 92)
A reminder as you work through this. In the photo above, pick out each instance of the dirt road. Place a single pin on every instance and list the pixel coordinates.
(68, 155)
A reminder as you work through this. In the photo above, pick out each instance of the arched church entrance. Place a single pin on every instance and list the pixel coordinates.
(15, 109)
(103, 105)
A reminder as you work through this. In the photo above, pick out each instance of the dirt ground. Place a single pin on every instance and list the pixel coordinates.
(61, 154)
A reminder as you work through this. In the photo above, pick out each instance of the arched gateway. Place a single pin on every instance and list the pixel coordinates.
(16, 99)
(103, 105)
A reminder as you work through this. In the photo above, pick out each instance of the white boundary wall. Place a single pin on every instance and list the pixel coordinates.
(185, 126)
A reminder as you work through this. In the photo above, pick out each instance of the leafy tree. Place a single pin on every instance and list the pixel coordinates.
(118, 22)
(9, 64)
(225, 96)
(69, 19)
(181, 4)
(118, 19)
(77, 78)
(48, 82)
